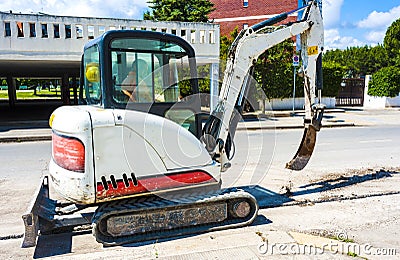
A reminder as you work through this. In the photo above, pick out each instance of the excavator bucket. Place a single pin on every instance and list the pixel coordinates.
(307, 143)
(305, 150)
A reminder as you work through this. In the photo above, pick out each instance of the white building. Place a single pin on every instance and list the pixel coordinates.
(41, 45)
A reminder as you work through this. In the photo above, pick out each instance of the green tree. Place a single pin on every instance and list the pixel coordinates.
(392, 42)
(177, 10)
(333, 74)
(385, 82)
(274, 71)
(359, 61)
(377, 58)
(183, 11)
(226, 42)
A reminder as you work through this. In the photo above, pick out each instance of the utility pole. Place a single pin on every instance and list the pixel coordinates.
(295, 64)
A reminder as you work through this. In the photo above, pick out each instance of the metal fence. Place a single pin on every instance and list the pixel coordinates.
(351, 93)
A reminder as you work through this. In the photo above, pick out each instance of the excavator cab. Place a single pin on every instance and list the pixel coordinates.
(144, 71)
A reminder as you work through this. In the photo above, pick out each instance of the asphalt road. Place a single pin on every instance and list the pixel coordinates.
(336, 149)
(355, 147)
(323, 180)
(26, 160)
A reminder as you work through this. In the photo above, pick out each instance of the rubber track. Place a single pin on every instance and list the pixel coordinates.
(140, 205)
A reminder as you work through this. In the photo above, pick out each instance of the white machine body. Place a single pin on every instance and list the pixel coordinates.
(145, 151)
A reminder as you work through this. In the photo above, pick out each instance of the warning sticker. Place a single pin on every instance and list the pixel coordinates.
(312, 50)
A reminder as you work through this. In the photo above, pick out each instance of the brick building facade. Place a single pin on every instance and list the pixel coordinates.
(242, 13)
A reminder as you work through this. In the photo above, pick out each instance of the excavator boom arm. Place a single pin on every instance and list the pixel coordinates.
(245, 50)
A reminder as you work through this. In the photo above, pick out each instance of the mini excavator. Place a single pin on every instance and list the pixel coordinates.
(134, 161)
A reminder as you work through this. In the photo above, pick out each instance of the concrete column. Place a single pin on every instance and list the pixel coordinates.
(12, 91)
(65, 96)
(214, 91)
(75, 88)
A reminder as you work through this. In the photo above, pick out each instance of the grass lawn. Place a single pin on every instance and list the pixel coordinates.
(30, 94)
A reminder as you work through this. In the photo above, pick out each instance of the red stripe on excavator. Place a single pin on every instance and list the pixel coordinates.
(151, 184)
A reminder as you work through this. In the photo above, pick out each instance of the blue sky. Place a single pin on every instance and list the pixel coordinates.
(347, 22)
(358, 22)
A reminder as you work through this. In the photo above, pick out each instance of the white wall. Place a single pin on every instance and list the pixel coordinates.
(371, 102)
(287, 103)
(204, 37)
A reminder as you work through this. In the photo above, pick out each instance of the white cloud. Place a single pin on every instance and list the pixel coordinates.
(376, 36)
(369, 31)
(333, 40)
(331, 12)
(380, 19)
(88, 8)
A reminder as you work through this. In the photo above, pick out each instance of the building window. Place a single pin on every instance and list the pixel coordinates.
(44, 31)
(20, 27)
(32, 30)
(67, 31)
(173, 31)
(192, 36)
(183, 34)
(245, 25)
(245, 3)
(212, 36)
(7, 29)
(90, 29)
(102, 29)
(79, 31)
(56, 31)
(202, 36)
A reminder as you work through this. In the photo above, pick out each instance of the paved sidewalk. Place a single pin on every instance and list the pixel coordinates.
(290, 120)
(39, 130)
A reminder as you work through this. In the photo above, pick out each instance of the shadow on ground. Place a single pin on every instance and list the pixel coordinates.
(27, 111)
(60, 244)
(343, 181)
(26, 115)
(52, 245)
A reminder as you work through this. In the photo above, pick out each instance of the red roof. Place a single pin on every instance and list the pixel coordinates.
(236, 9)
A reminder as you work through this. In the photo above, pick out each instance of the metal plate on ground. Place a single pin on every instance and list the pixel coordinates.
(164, 219)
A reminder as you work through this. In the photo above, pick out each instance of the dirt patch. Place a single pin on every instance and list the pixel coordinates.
(350, 177)
(368, 173)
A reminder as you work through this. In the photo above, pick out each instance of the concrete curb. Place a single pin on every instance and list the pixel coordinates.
(20, 139)
(47, 137)
(253, 128)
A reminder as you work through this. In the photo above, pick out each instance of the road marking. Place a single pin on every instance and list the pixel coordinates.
(376, 141)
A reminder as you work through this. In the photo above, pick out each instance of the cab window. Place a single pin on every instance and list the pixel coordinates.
(147, 71)
(91, 70)
(132, 76)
